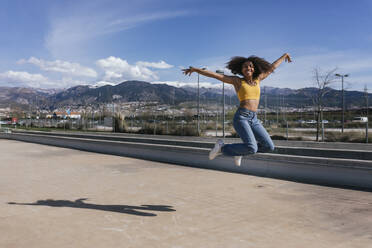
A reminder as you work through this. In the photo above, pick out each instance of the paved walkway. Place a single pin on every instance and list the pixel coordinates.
(55, 197)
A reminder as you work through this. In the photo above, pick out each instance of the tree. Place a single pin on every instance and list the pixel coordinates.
(322, 82)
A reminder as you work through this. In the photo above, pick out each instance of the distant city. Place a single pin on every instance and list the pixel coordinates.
(141, 105)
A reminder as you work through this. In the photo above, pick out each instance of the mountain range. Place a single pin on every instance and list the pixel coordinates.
(128, 91)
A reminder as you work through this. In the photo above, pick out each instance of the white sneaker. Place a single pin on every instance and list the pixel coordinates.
(216, 149)
(238, 160)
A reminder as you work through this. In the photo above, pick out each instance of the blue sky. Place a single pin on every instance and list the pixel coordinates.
(59, 44)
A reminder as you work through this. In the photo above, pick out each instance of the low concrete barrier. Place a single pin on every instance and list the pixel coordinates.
(325, 152)
(313, 149)
(317, 170)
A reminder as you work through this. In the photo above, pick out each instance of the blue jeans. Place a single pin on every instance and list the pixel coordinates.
(251, 132)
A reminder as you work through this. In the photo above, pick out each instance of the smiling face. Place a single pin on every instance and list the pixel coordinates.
(248, 69)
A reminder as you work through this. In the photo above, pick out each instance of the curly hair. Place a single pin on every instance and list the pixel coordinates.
(260, 65)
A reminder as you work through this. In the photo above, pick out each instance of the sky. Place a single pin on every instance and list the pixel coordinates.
(63, 43)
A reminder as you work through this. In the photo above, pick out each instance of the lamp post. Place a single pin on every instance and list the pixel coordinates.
(343, 101)
(265, 104)
(199, 104)
(223, 103)
(366, 95)
(113, 116)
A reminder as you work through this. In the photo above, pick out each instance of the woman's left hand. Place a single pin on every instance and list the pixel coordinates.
(287, 58)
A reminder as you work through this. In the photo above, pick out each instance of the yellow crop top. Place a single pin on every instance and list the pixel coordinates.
(248, 92)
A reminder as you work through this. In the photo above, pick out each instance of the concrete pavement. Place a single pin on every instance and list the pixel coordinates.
(57, 197)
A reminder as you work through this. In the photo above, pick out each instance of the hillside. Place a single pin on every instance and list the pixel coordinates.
(164, 94)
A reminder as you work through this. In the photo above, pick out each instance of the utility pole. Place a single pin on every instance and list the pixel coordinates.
(223, 104)
(199, 104)
(284, 109)
(113, 117)
(216, 122)
(223, 110)
(265, 103)
(277, 110)
(366, 95)
(343, 100)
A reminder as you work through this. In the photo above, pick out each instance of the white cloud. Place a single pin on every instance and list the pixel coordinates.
(24, 79)
(70, 33)
(214, 63)
(134, 20)
(159, 65)
(117, 69)
(192, 84)
(65, 67)
(299, 74)
(102, 83)
(67, 82)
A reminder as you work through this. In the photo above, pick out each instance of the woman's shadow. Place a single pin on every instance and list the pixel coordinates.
(125, 209)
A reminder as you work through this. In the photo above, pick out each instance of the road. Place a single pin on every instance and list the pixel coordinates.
(57, 197)
(338, 130)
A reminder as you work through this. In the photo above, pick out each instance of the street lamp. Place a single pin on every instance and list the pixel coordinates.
(223, 108)
(343, 101)
(199, 103)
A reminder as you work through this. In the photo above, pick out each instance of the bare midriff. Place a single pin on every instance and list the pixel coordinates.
(250, 104)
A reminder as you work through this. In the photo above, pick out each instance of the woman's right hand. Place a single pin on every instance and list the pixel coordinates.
(189, 70)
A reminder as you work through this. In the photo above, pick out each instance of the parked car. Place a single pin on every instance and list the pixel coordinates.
(360, 119)
(315, 122)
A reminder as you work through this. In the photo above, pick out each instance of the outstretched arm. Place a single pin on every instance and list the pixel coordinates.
(226, 79)
(285, 57)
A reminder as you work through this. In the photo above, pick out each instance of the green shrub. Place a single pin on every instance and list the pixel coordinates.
(149, 129)
(185, 131)
(354, 137)
(278, 137)
(119, 123)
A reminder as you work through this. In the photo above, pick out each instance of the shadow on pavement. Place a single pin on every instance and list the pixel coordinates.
(125, 209)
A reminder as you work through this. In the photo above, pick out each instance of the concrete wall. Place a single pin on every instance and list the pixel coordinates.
(334, 172)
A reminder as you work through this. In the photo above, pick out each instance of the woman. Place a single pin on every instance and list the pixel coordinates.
(253, 70)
